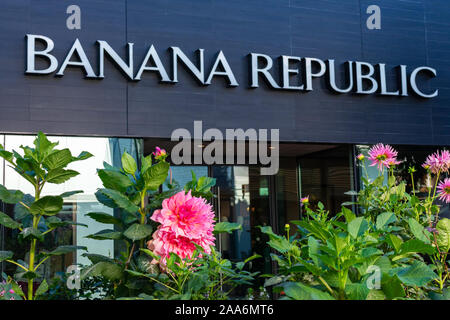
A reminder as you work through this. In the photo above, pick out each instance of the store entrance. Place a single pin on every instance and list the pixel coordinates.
(242, 196)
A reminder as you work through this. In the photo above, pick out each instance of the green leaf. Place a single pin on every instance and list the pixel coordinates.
(392, 287)
(109, 270)
(313, 250)
(82, 156)
(54, 222)
(445, 295)
(395, 241)
(114, 180)
(228, 227)
(103, 217)
(376, 295)
(357, 291)
(358, 227)
(10, 196)
(416, 246)
(70, 193)
(348, 214)
(5, 255)
(58, 159)
(417, 274)
(48, 205)
(384, 263)
(8, 222)
(58, 176)
(384, 219)
(128, 163)
(106, 235)
(8, 156)
(204, 184)
(64, 250)
(273, 281)
(370, 251)
(443, 236)
(94, 258)
(138, 231)
(32, 233)
(43, 288)
(151, 254)
(418, 230)
(299, 291)
(146, 162)
(156, 175)
(118, 199)
(43, 146)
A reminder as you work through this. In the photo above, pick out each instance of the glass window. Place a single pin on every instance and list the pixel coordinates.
(183, 174)
(326, 175)
(287, 187)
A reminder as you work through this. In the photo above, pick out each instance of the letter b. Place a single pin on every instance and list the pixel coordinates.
(32, 53)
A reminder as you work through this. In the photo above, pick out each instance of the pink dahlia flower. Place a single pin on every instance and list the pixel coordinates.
(438, 162)
(304, 201)
(160, 154)
(444, 190)
(184, 220)
(383, 156)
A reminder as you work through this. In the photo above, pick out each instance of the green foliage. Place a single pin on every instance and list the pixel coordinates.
(228, 227)
(201, 187)
(339, 257)
(203, 277)
(35, 215)
(135, 192)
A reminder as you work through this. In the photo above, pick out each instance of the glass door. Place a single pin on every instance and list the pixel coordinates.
(243, 197)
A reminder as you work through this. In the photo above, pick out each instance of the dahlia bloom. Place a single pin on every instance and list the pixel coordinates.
(383, 156)
(185, 220)
(438, 162)
(444, 190)
(160, 154)
(304, 201)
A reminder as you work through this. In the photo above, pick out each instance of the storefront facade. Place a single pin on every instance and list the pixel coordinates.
(331, 76)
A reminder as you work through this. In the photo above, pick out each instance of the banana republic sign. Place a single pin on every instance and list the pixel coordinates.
(295, 74)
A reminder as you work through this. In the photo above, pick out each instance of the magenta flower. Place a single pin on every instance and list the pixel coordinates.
(304, 201)
(438, 162)
(185, 220)
(360, 157)
(383, 156)
(444, 190)
(160, 154)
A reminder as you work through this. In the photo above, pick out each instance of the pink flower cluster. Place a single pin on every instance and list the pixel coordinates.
(383, 156)
(438, 162)
(185, 220)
